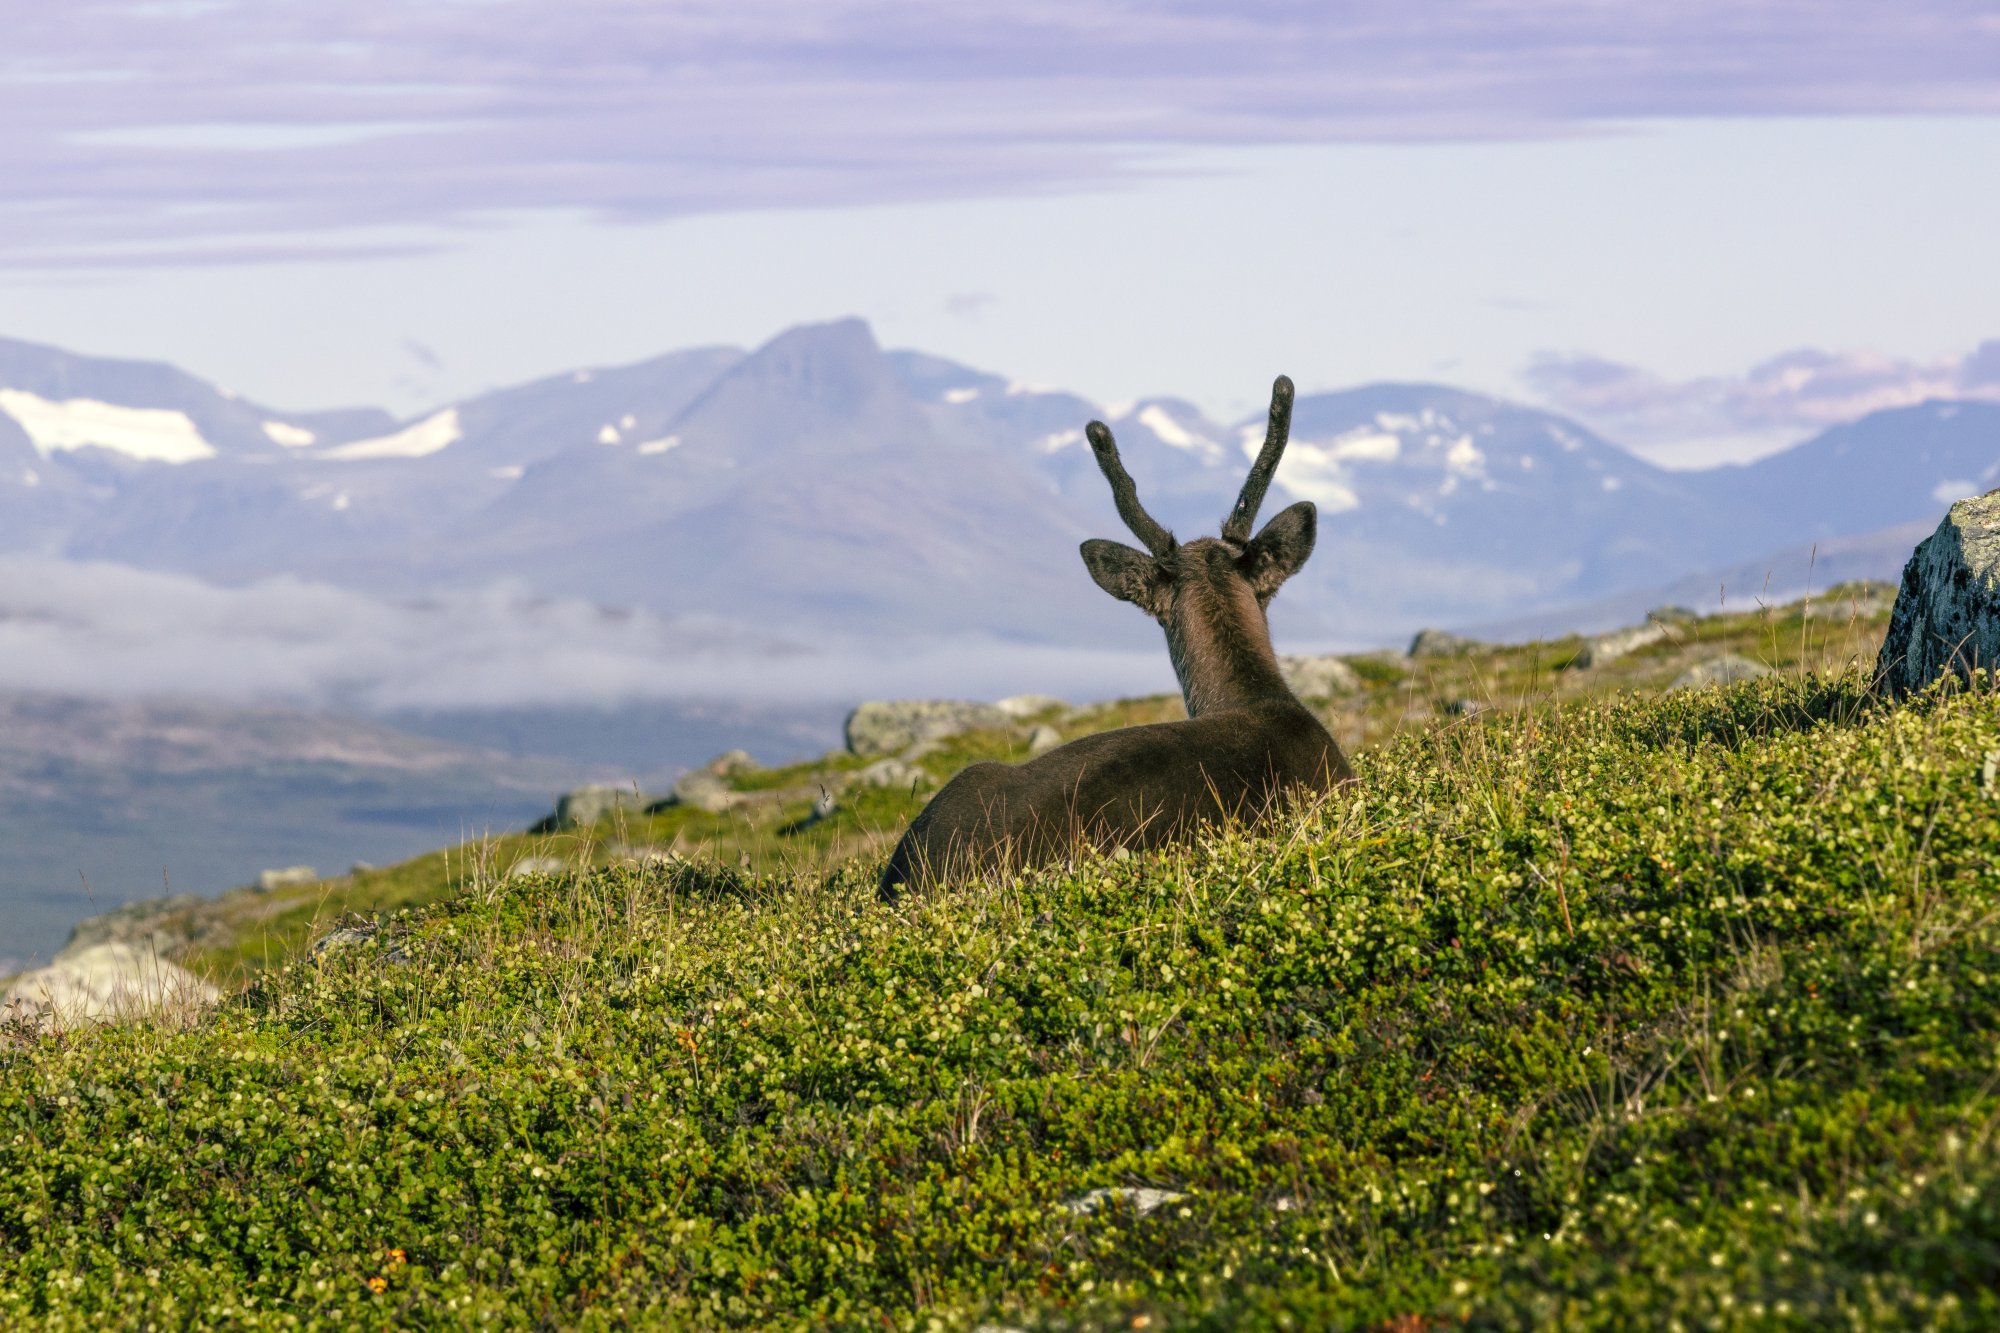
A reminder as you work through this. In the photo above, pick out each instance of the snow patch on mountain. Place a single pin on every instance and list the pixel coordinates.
(150, 434)
(426, 437)
(1159, 421)
(287, 435)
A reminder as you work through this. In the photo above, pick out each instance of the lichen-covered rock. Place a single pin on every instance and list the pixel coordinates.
(1438, 643)
(104, 983)
(290, 877)
(1319, 677)
(1947, 616)
(1602, 648)
(889, 726)
(1725, 669)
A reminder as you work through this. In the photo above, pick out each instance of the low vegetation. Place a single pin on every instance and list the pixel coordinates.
(1639, 1009)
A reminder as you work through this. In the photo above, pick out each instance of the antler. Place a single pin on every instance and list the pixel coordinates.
(1158, 540)
(1237, 528)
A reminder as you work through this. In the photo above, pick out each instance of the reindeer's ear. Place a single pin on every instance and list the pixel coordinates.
(1276, 553)
(1129, 575)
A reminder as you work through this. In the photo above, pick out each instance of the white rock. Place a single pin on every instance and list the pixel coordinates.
(1319, 677)
(1728, 669)
(104, 983)
(288, 878)
(1141, 1201)
(1027, 705)
(1043, 739)
(1602, 648)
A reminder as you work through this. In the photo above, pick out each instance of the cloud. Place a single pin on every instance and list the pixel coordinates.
(968, 305)
(165, 133)
(111, 630)
(1773, 404)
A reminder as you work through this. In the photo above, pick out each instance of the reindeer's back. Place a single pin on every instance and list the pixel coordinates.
(1138, 786)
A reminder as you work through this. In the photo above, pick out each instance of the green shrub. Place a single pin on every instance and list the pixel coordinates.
(1618, 1014)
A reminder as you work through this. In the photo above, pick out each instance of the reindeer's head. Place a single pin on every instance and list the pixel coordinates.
(1209, 594)
(1168, 573)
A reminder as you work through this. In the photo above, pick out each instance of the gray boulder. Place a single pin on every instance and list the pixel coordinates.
(1858, 600)
(1726, 669)
(291, 877)
(1947, 616)
(891, 773)
(890, 726)
(1602, 648)
(150, 924)
(537, 865)
(731, 762)
(704, 790)
(1043, 739)
(1438, 643)
(104, 983)
(1319, 677)
(587, 805)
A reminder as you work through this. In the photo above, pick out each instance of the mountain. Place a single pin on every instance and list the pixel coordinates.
(822, 486)
(1890, 467)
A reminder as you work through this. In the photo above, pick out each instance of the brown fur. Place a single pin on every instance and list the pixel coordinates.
(1247, 741)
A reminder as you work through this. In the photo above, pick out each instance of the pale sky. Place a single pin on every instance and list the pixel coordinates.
(1707, 230)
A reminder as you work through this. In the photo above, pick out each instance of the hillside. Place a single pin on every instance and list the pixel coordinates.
(1595, 1012)
(244, 932)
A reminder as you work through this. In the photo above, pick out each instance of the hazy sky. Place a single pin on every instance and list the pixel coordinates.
(1707, 227)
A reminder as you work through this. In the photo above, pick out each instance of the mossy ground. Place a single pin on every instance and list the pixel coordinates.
(1634, 1011)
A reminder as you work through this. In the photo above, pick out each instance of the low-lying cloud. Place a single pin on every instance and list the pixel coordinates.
(1727, 418)
(111, 630)
(146, 133)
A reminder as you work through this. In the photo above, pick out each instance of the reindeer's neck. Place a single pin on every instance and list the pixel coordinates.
(1221, 650)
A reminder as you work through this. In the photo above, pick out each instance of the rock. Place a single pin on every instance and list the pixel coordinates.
(103, 983)
(340, 938)
(288, 878)
(731, 762)
(1947, 616)
(1728, 669)
(1437, 643)
(151, 924)
(891, 773)
(1043, 739)
(881, 727)
(1319, 677)
(1141, 1201)
(587, 805)
(1020, 706)
(1602, 648)
(704, 791)
(537, 865)
(1858, 600)
(1467, 707)
(1672, 614)
(346, 937)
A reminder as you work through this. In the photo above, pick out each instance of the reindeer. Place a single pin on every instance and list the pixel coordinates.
(1247, 740)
